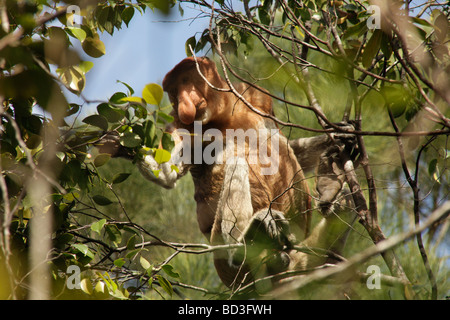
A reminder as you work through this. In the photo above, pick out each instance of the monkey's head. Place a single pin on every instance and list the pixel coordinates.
(192, 97)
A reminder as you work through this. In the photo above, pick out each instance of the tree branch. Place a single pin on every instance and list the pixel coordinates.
(381, 247)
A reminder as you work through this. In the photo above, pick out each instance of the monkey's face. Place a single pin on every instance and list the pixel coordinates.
(188, 95)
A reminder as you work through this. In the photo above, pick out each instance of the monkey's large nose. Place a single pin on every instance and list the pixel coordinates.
(186, 112)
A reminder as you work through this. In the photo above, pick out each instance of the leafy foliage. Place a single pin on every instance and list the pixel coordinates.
(323, 63)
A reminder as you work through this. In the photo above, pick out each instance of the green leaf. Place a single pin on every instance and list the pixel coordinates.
(119, 262)
(167, 141)
(73, 77)
(356, 30)
(97, 121)
(191, 42)
(85, 66)
(152, 93)
(169, 270)
(101, 200)
(114, 234)
(165, 284)
(74, 108)
(84, 249)
(140, 111)
(149, 133)
(397, 99)
(117, 97)
(101, 159)
(77, 33)
(441, 26)
(432, 167)
(130, 89)
(133, 99)
(131, 242)
(120, 177)
(132, 254)
(371, 48)
(130, 140)
(94, 47)
(86, 286)
(166, 117)
(156, 173)
(422, 22)
(162, 156)
(263, 16)
(64, 239)
(98, 226)
(385, 45)
(144, 263)
(127, 14)
(110, 113)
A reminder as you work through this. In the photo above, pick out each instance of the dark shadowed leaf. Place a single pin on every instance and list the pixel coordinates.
(97, 121)
(120, 177)
(101, 200)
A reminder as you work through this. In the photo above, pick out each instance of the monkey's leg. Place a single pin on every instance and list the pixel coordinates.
(235, 222)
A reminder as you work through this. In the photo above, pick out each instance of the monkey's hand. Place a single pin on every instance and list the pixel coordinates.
(309, 150)
(268, 230)
(164, 174)
(346, 141)
(331, 174)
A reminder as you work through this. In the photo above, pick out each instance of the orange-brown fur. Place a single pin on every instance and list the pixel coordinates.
(226, 111)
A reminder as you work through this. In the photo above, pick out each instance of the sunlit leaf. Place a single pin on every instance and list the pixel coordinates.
(78, 33)
(162, 156)
(94, 47)
(152, 93)
(86, 286)
(84, 249)
(144, 263)
(98, 226)
(73, 77)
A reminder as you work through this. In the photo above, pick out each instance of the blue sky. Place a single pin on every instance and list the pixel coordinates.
(142, 53)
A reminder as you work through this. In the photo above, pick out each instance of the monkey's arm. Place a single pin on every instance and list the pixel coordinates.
(309, 150)
(164, 174)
